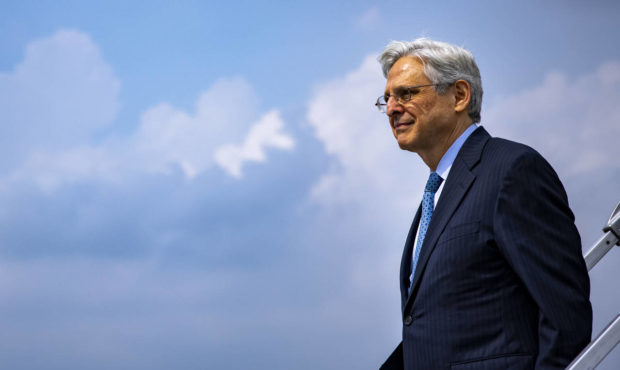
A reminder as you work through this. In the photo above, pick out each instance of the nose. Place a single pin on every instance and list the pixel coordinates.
(392, 106)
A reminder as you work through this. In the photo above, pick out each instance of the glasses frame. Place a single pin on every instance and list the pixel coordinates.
(401, 99)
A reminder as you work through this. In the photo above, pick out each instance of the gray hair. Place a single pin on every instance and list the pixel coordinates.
(443, 65)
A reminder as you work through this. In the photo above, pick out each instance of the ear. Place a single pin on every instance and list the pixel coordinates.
(462, 95)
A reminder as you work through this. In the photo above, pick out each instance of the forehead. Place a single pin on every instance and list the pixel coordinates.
(407, 71)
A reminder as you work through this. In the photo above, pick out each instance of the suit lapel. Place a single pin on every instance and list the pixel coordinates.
(457, 184)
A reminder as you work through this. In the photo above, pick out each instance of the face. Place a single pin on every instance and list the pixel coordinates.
(425, 123)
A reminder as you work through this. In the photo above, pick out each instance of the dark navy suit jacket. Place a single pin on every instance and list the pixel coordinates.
(501, 282)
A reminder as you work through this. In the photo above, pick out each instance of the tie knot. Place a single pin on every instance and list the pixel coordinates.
(434, 180)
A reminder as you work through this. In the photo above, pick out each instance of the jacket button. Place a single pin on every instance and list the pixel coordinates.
(408, 320)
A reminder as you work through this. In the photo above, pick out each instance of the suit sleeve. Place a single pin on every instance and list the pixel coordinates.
(535, 231)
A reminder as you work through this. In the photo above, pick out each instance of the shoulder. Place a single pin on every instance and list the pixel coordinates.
(519, 166)
(481, 148)
(507, 150)
(505, 162)
(507, 154)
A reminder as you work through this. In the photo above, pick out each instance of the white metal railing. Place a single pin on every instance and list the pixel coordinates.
(607, 340)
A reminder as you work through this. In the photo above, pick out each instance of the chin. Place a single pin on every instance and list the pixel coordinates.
(406, 146)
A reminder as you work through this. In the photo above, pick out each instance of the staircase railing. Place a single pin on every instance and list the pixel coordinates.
(607, 340)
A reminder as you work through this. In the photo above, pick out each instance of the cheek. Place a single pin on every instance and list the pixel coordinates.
(420, 107)
(415, 108)
(426, 106)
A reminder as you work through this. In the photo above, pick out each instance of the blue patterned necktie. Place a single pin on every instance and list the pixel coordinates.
(428, 204)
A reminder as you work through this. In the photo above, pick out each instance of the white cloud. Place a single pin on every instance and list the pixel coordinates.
(197, 141)
(64, 91)
(368, 167)
(573, 121)
(57, 96)
(51, 169)
(266, 133)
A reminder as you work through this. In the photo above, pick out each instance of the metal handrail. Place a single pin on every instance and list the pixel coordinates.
(607, 241)
(596, 351)
(607, 340)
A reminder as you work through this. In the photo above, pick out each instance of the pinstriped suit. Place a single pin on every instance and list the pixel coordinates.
(501, 282)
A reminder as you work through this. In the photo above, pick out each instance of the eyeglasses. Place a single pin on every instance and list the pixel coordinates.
(401, 97)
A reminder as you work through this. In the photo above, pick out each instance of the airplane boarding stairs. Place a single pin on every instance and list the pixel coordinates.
(607, 340)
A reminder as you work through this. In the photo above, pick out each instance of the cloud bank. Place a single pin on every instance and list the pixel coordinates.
(573, 121)
(267, 132)
(63, 92)
(60, 94)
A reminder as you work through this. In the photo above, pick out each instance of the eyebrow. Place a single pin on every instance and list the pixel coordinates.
(401, 89)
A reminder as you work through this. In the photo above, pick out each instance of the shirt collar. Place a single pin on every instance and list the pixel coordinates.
(443, 168)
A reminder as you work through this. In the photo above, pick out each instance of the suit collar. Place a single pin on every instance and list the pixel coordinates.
(471, 152)
(457, 185)
(444, 165)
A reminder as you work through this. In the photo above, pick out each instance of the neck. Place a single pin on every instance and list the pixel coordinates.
(434, 155)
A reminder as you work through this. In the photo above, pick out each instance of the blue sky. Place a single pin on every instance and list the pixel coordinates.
(209, 186)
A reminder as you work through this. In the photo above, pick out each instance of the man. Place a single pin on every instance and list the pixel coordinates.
(492, 275)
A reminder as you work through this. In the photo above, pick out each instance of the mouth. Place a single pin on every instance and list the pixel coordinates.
(403, 124)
